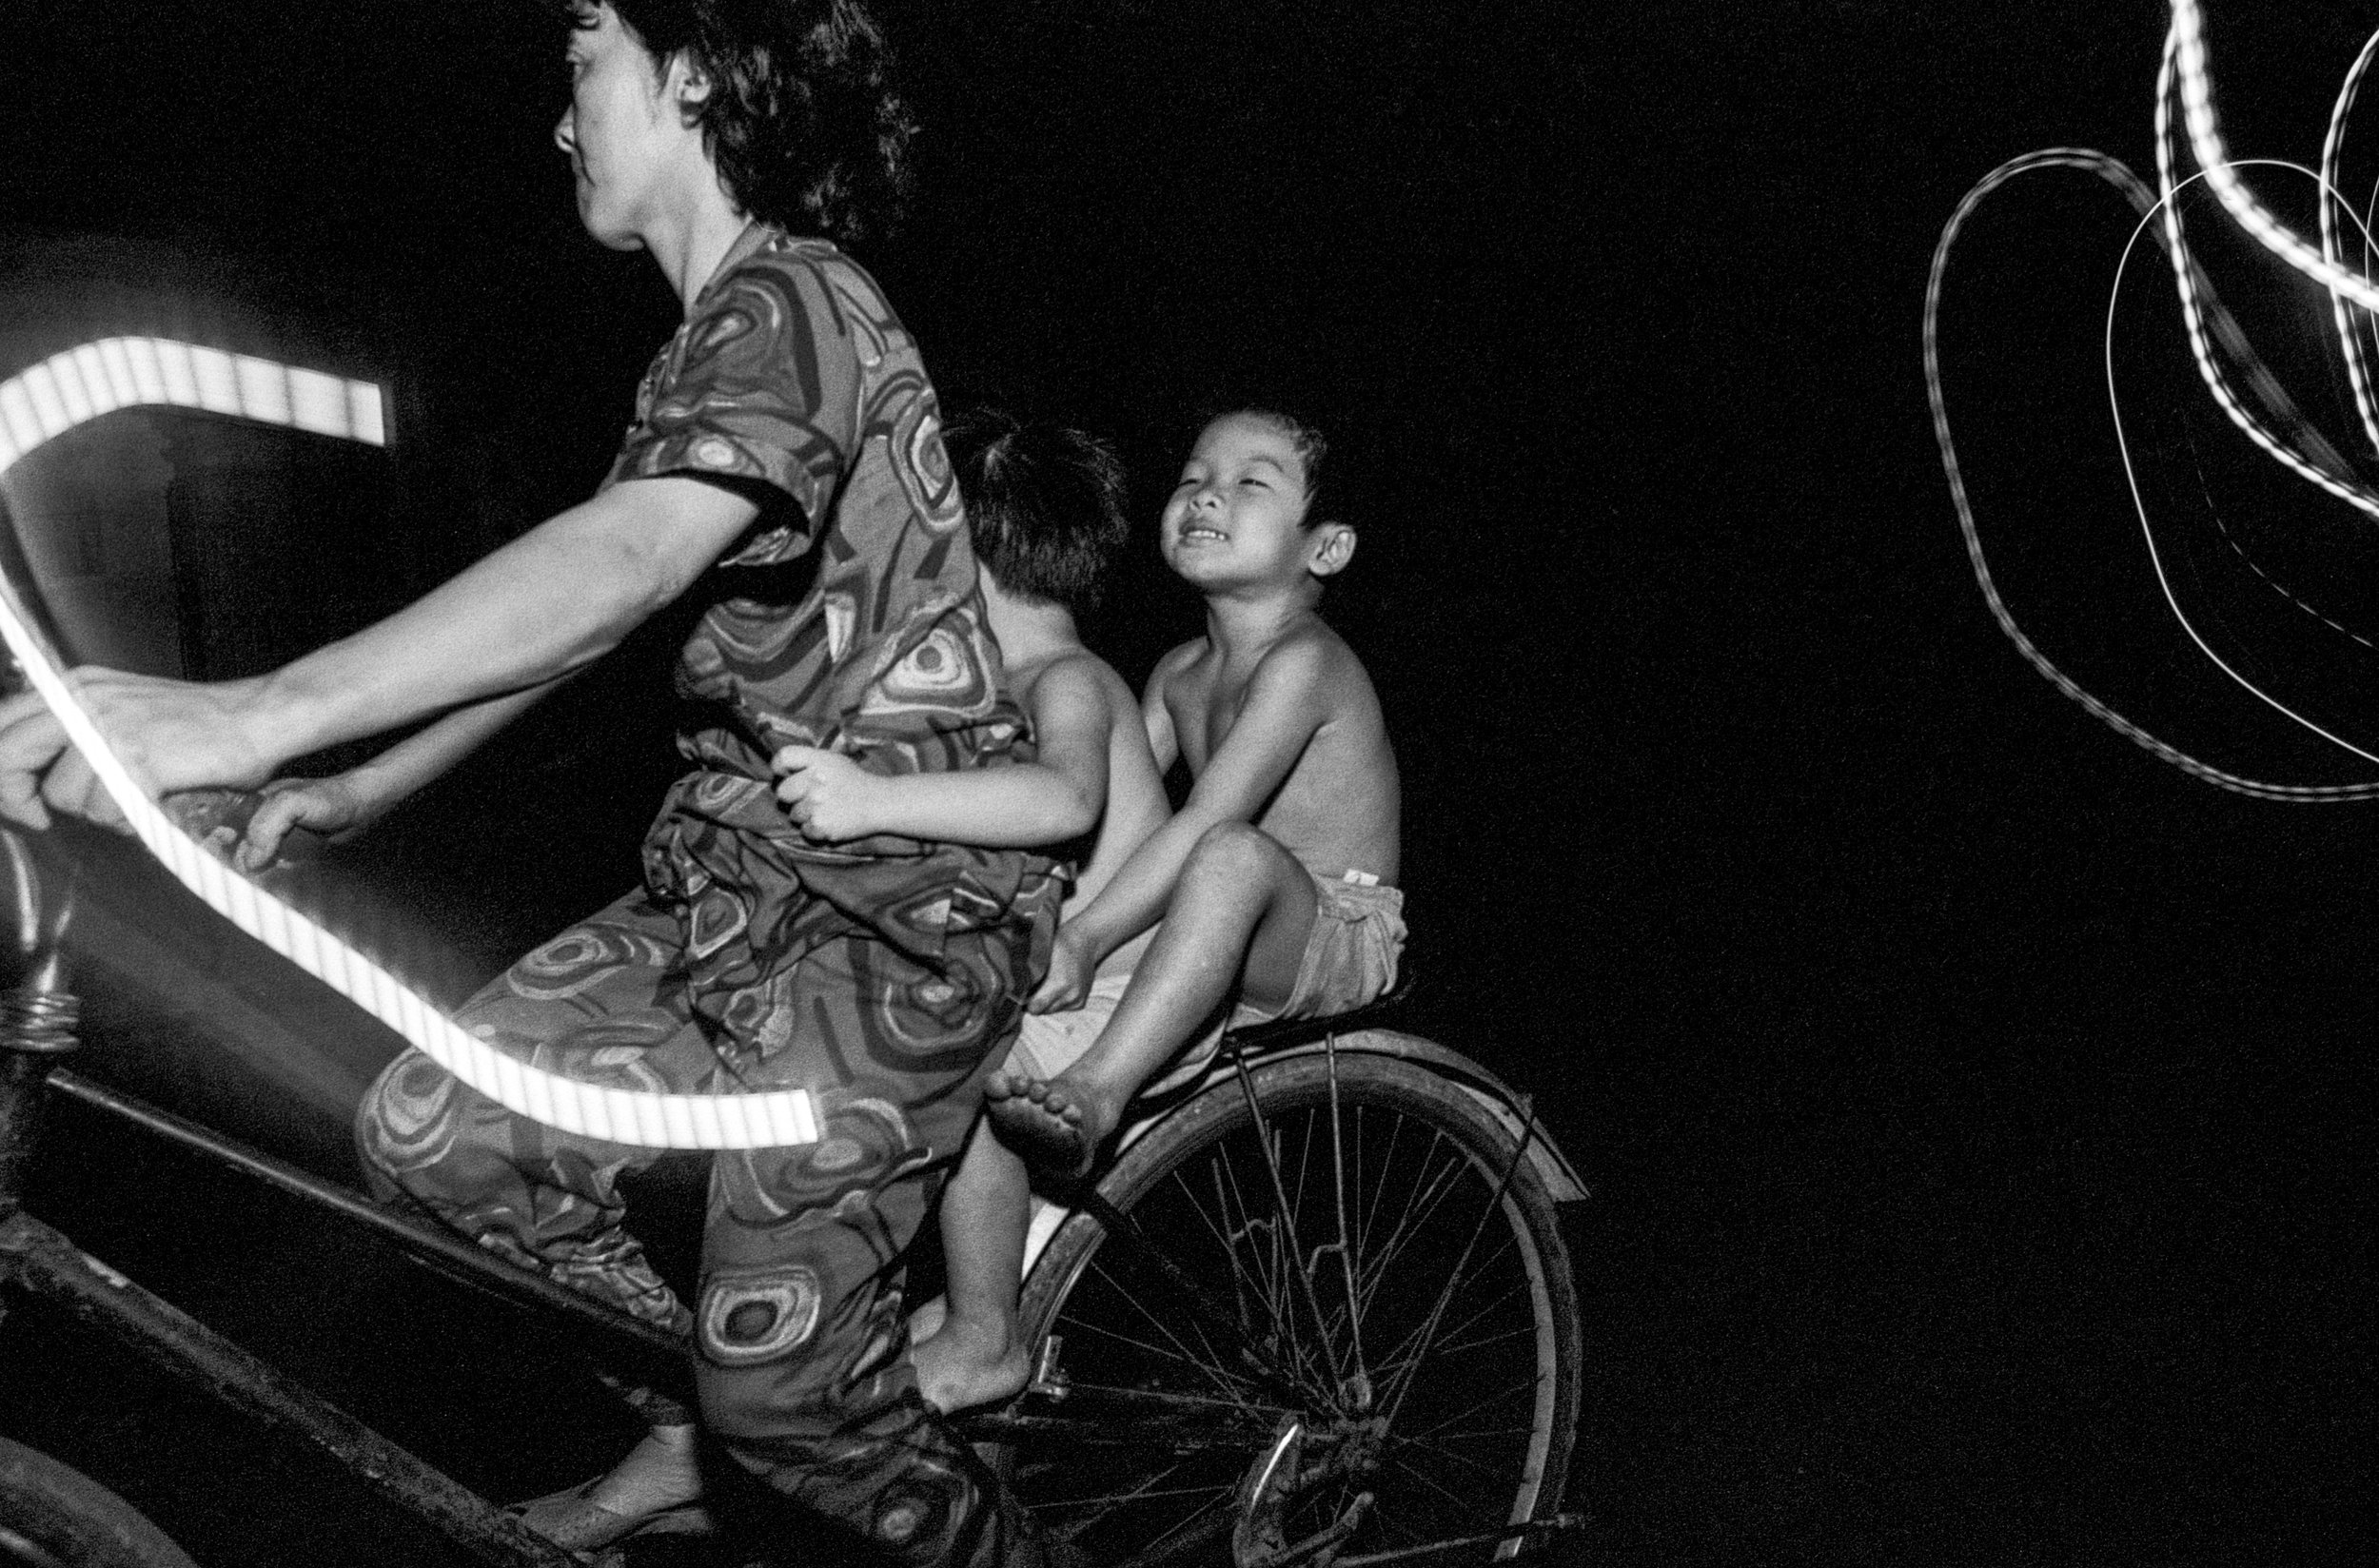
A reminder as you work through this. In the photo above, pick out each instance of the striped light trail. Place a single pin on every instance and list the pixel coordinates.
(53, 396)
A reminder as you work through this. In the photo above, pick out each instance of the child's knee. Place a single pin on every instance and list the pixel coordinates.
(1234, 854)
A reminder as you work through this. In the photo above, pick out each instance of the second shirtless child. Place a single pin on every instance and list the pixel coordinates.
(1045, 509)
(1275, 882)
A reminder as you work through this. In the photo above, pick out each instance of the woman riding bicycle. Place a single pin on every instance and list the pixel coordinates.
(786, 466)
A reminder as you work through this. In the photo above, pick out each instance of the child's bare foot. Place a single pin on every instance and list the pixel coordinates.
(1056, 1125)
(964, 1364)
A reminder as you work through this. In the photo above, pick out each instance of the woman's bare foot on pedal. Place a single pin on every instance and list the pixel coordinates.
(660, 1481)
(1054, 1125)
(963, 1364)
(663, 1471)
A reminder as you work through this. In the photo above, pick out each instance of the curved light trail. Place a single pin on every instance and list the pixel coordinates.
(68, 389)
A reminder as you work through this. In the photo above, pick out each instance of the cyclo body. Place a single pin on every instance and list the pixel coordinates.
(1317, 1305)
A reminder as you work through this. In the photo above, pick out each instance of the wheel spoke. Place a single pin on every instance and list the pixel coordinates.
(1411, 1224)
(1461, 1507)
(1495, 1471)
(1109, 1504)
(1284, 1327)
(1288, 1215)
(1189, 1196)
(1399, 1360)
(1184, 1527)
(1221, 1235)
(1527, 1332)
(1109, 1501)
(1338, 1200)
(1439, 1439)
(1387, 1164)
(1437, 1313)
(1211, 1364)
(1470, 1409)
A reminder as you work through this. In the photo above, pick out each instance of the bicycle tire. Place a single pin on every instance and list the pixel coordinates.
(1119, 1499)
(53, 1516)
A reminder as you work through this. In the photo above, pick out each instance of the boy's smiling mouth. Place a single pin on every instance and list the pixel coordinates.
(1194, 533)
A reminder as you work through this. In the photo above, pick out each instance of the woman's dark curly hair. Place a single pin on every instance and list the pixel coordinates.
(801, 120)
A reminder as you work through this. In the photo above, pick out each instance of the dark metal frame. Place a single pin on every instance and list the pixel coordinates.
(38, 1021)
(38, 1015)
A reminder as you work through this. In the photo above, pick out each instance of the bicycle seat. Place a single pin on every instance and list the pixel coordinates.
(1254, 1039)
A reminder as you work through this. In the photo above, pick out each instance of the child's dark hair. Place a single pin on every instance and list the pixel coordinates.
(1311, 449)
(1045, 503)
(801, 119)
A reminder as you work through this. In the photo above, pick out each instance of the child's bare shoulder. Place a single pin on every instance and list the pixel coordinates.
(1076, 674)
(1178, 659)
(1315, 659)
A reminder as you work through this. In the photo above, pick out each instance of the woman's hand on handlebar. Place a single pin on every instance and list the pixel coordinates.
(171, 734)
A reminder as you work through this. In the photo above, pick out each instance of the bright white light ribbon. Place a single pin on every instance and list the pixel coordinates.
(82, 384)
(2332, 202)
(2205, 140)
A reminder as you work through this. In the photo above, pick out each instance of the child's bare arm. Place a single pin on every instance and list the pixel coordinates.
(1158, 718)
(1287, 699)
(1058, 797)
(346, 803)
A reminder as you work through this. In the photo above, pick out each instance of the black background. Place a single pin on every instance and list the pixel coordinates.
(1973, 1107)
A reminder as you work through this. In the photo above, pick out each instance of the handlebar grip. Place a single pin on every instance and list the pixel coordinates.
(219, 819)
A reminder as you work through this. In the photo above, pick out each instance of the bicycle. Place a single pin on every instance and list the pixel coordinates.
(1357, 1227)
(1317, 1309)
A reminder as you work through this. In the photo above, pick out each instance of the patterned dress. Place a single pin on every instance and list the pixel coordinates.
(883, 975)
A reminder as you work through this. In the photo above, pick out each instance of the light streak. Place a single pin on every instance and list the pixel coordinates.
(2183, 77)
(2332, 148)
(2155, 556)
(2186, 46)
(2114, 174)
(53, 396)
(2185, 276)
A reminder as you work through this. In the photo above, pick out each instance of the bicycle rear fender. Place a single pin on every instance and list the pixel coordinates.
(1552, 1166)
(1560, 1178)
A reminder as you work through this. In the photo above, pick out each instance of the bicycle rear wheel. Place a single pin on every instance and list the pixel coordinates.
(53, 1516)
(1363, 1248)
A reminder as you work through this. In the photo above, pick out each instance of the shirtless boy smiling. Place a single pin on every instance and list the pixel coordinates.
(1275, 883)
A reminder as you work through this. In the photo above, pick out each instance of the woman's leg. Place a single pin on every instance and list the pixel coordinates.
(588, 1004)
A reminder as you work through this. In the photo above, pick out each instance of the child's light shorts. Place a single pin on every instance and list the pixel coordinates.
(1049, 1043)
(1349, 959)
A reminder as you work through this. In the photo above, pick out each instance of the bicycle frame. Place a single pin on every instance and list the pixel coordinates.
(37, 1020)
